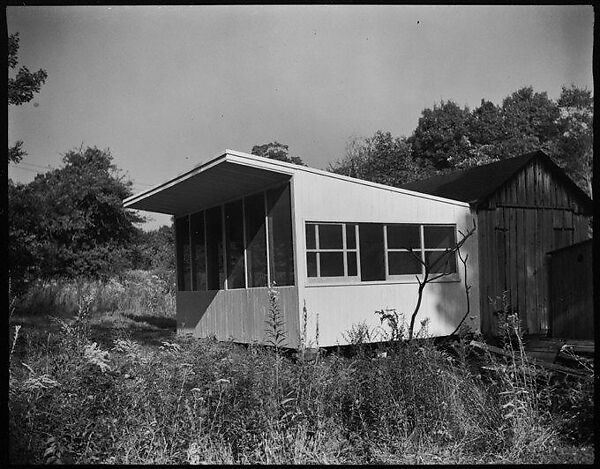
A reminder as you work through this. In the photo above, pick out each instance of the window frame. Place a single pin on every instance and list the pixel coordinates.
(452, 277)
(344, 250)
(454, 241)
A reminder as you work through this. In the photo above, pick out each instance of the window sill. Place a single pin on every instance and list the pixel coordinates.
(410, 279)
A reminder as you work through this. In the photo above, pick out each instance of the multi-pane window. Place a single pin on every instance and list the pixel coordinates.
(240, 244)
(404, 249)
(411, 247)
(331, 250)
(378, 252)
(438, 240)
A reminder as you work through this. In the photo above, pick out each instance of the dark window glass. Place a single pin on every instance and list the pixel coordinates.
(234, 245)
(256, 241)
(281, 255)
(330, 237)
(310, 236)
(441, 261)
(350, 236)
(311, 264)
(215, 270)
(351, 264)
(182, 235)
(198, 251)
(372, 253)
(438, 237)
(403, 262)
(403, 237)
(332, 264)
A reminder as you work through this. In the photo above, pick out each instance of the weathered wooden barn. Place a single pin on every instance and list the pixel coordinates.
(526, 208)
(335, 246)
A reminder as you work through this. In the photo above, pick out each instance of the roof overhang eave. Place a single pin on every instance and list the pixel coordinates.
(217, 181)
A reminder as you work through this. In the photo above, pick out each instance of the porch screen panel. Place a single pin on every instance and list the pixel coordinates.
(234, 245)
(256, 240)
(198, 251)
(281, 256)
(182, 242)
(215, 269)
(372, 251)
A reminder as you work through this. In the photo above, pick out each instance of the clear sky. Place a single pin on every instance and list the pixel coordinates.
(168, 87)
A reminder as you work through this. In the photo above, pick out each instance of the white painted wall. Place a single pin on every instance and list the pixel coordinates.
(320, 198)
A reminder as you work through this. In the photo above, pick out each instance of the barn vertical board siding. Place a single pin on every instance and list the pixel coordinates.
(528, 207)
(498, 263)
(512, 254)
(481, 268)
(572, 308)
(485, 269)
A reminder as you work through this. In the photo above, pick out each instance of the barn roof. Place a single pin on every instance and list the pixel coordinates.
(232, 175)
(476, 185)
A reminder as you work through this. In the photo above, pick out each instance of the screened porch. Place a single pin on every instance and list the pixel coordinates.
(243, 243)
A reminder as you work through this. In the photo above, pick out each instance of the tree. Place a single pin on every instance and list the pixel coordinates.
(276, 151)
(21, 89)
(155, 249)
(442, 135)
(449, 137)
(530, 114)
(70, 221)
(381, 158)
(574, 144)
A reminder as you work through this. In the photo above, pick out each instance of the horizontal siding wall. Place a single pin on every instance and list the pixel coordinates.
(238, 314)
(522, 223)
(333, 310)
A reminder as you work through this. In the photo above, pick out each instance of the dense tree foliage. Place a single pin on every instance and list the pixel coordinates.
(70, 221)
(276, 151)
(574, 145)
(448, 137)
(154, 249)
(381, 158)
(441, 134)
(21, 89)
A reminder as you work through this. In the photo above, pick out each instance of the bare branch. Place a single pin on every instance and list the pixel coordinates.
(427, 279)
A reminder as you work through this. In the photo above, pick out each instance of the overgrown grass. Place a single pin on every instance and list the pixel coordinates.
(79, 394)
(136, 292)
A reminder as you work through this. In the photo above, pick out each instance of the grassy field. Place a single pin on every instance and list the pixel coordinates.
(105, 383)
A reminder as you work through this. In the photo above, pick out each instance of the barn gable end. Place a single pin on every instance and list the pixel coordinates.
(526, 207)
(533, 213)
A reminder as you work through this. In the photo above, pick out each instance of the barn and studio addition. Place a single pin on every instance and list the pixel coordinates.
(343, 248)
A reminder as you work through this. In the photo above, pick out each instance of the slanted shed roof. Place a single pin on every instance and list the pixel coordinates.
(476, 185)
(232, 175)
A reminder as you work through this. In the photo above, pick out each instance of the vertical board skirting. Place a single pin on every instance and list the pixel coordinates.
(237, 314)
